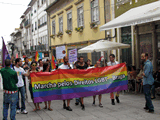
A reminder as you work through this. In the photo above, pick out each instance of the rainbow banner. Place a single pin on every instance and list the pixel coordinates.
(73, 83)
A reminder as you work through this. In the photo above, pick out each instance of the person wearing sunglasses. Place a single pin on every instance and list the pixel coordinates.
(33, 69)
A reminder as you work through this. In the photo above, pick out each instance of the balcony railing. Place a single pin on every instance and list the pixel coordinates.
(27, 51)
(39, 48)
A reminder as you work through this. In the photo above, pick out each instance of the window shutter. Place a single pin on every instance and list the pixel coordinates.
(62, 24)
(71, 20)
(68, 21)
(82, 17)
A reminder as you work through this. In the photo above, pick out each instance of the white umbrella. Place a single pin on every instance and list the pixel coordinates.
(103, 45)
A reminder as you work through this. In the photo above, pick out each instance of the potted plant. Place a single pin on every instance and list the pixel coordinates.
(52, 36)
(79, 29)
(93, 25)
(59, 34)
(69, 32)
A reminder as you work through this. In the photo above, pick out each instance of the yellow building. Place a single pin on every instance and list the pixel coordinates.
(75, 24)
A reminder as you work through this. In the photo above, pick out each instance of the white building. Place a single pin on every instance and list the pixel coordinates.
(39, 40)
(26, 31)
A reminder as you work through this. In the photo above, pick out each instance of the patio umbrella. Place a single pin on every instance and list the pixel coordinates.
(103, 45)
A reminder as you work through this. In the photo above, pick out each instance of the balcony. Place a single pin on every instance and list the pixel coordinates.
(43, 24)
(39, 48)
(27, 23)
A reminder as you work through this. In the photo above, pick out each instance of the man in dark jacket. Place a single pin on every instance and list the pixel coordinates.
(10, 89)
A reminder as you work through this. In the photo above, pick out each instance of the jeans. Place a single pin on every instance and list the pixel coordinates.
(22, 91)
(147, 93)
(153, 90)
(9, 99)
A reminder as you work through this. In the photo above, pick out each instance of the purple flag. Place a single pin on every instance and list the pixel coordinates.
(5, 54)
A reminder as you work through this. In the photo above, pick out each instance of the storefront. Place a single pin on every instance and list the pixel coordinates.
(145, 31)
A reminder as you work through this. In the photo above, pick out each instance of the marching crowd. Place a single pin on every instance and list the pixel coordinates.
(14, 83)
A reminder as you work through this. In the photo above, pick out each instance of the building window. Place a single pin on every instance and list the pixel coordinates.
(35, 25)
(61, 24)
(80, 16)
(53, 27)
(40, 21)
(69, 21)
(94, 11)
(38, 3)
(42, 2)
(39, 40)
(46, 40)
(36, 41)
(32, 27)
(45, 18)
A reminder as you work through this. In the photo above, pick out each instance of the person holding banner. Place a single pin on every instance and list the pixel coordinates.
(66, 65)
(112, 63)
(10, 89)
(98, 65)
(46, 68)
(81, 65)
(33, 69)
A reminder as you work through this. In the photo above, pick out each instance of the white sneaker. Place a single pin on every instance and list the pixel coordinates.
(18, 111)
(24, 112)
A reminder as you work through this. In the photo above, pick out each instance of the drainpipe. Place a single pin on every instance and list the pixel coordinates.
(105, 30)
(49, 38)
(105, 16)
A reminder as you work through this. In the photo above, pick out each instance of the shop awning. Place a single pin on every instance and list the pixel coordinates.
(143, 14)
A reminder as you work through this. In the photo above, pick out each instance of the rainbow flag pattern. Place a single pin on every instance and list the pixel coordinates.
(67, 84)
(53, 64)
(37, 56)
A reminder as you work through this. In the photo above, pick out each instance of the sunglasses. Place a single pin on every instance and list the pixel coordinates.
(34, 65)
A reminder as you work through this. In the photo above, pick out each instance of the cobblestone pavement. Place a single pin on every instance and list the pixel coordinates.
(130, 108)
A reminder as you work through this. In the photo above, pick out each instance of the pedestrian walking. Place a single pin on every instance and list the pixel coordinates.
(66, 65)
(10, 95)
(148, 81)
(33, 69)
(112, 63)
(46, 68)
(21, 88)
(81, 65)
(98, 65)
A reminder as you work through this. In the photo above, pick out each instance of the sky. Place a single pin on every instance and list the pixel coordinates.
(11, 11)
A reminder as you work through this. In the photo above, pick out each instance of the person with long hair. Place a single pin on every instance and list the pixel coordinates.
(33, 69)
(46, 68)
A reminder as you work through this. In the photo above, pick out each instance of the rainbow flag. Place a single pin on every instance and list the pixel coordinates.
(37, 56)
(67, 84)
(53, 64)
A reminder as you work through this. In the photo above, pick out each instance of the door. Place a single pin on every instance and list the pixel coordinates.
(126, 39)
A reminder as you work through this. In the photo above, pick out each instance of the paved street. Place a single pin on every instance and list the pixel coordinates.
(130, 108)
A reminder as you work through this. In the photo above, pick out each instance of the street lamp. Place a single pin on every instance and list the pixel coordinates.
(108, 35)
